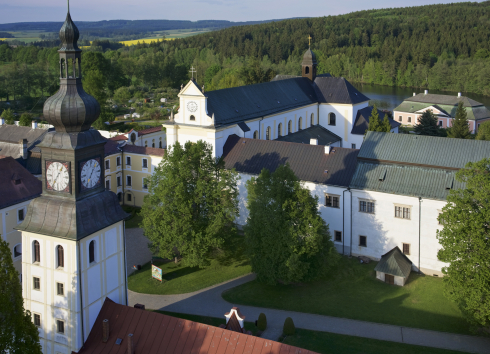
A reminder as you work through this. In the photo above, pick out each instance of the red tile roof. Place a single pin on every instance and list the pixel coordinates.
(157, 333)
(119, 137)
(150, 130)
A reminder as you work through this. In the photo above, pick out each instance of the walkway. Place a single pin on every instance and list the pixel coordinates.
(137, 251)
(208, 302)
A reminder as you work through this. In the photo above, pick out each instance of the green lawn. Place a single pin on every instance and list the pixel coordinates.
(352, 291)
(323, 342)
(178, 279)
(135, 219)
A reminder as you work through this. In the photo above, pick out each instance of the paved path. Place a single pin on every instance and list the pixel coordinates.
(137, 251)
(208, 302)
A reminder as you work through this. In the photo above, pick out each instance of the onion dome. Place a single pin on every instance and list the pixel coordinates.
(309, 58)
(69, 35)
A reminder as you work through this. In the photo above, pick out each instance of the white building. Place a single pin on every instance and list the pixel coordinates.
(273, 110)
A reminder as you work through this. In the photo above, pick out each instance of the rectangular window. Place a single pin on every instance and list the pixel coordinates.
(128, 181)
(118, 181)
(37, 320)
(129, 197)
(107, 164)
(36, 283)
(440, 123)
(402, 212)
(20, 214)
(145, 185)
(145, 163)
(353, 146)
(332, 201)
(118, 161)
(60, 289)
(399, 118)
(409, 120)
(60, 326)
(338, 236)
(108, 184)
(128, 160)
(366, 207)
(406, 249)
(363, 241)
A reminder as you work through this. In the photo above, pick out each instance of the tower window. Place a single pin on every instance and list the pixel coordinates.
(300, 123)
(307, 70)
(60, 326)
(153, 143)
(61, 256)
(37, 252)
(312, 123)
(60, 289)
(256, 134)
(363, 241)
(37, 320)
(268, 133)
(279, 129)
(20, 214)
(290, 127)
(192, 118)
(36, 283)
(18, 250)
(331, 119)
(91, 252)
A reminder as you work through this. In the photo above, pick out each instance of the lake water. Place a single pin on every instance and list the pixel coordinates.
(388, 98)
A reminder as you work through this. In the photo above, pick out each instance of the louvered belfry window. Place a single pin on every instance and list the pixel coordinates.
(91, 252)
(61, 259)
(37, 252)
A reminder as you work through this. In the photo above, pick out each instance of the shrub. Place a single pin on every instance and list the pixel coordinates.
(289, 328)
(262, 322)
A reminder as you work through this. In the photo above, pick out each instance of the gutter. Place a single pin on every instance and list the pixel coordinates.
(420, 224)
(343, 222)
(350, 251)
(81, 293)
(125, 263)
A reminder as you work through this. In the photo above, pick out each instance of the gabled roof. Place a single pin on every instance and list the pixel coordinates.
(236, 104)
(153, 333)
(394, 263)
(337, 90)
(324, 136)
(308, 162)
(362, 120)
(149, 130)
(443, 99)
(119, 137)
(17, 184)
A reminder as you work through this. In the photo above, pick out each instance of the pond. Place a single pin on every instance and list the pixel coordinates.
(388, 98)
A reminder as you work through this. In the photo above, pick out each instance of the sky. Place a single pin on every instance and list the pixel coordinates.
(231, 10)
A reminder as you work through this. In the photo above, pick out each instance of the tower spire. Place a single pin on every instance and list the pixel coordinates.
(68, 6)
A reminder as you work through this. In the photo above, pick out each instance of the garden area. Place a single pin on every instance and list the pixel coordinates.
(352, 291)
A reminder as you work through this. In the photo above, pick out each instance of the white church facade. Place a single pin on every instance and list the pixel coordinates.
(274, 110)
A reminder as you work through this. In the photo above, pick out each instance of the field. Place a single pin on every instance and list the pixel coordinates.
(143, 40)
(169, 35)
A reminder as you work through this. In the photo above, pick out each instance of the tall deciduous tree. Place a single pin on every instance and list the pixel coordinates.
(192, 204)
(465, 242)
(460, 128)
(18, 334)
(427, 124)
(287, 239)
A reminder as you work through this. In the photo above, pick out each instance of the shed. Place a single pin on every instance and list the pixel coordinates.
(393, 267)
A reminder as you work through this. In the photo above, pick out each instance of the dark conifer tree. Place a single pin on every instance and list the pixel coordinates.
(460, 128)
(427, 124)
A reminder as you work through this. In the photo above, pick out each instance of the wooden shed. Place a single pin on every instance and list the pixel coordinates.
(394, 267)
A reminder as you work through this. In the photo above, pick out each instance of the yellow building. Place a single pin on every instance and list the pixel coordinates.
(17, 188)
(126, 168)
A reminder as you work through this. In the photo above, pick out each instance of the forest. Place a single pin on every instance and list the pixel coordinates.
(444, 47)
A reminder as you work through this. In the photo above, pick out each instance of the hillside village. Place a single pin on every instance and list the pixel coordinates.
(77, 214)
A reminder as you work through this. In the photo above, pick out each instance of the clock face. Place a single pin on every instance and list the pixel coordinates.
(58, 176)
(90, 173)
(192, 106)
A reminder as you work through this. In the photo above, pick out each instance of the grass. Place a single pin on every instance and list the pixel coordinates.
(135, 219)
(323, 342)
(352, 291)
(179, 279)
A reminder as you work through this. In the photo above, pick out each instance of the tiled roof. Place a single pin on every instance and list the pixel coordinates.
(157, 333)
(119, 137)
(337, 90)
(443, 99)
(150, 130)
(14, 133)
(309, 162)
(112, 148)
(394, 263)
(17, 184)
(362, 120)
(423, 150)
(237, 104)
(324, 136)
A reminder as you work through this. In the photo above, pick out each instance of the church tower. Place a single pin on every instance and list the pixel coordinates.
(309, 65)
(73, 234)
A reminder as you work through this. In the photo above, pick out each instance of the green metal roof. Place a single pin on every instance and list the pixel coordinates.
(429, 151)
(395, 263)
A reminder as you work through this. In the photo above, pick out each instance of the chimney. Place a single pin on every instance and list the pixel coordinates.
(235, 312)
(327, 149)
(130, 344)
(313, 141)
(414, 94)
(34, 124)
(459, 94)
(23, 148)
(105, 331)
(426, 92)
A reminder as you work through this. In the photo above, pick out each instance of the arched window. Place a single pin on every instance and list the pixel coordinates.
(146, 144)
(290, 127)
(192, 118)
(279, 129)
(133, 138)
(300, 121)
(61, 256)
(36, 252)
(331, 119)
(91, 251)
(312, 119)
(268, 133)
(18, 250)
(62, 68)
(153, 143)
(256, 134)
(160, 144)
(307, 70)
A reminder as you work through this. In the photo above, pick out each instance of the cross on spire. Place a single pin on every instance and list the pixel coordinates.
(193, 71)
(309, 40)
(68, 5)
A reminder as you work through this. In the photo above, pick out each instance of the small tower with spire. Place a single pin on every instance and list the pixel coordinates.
(309, 63)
